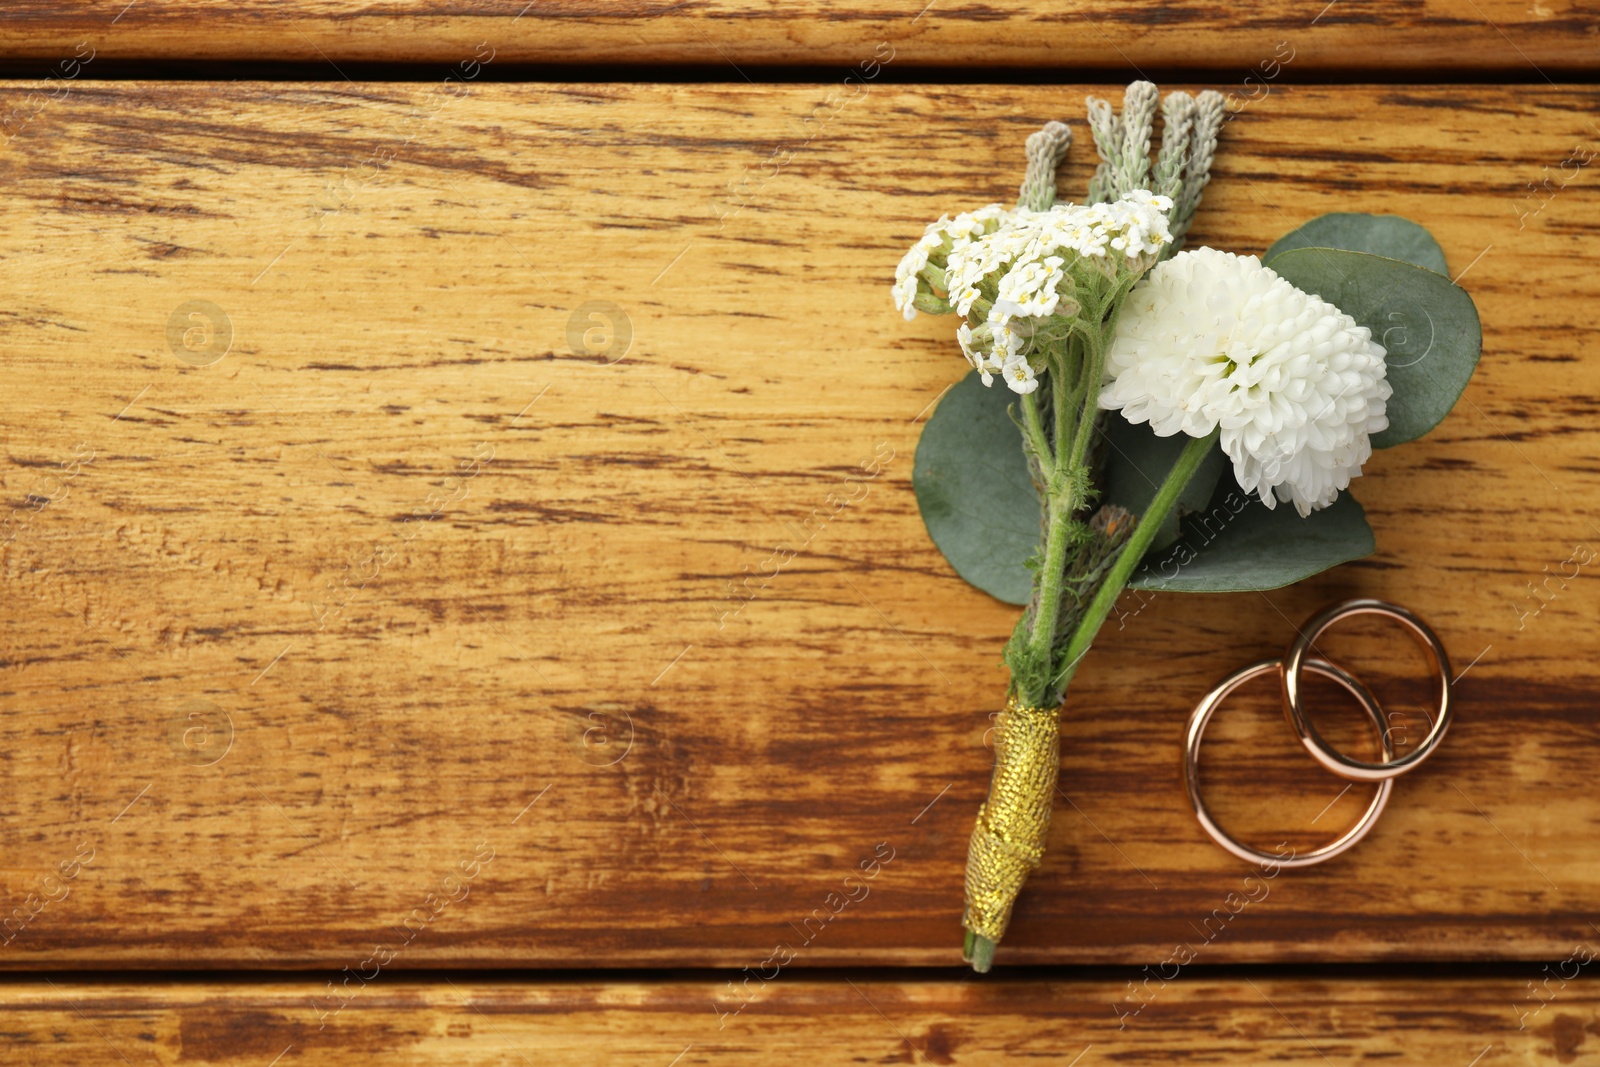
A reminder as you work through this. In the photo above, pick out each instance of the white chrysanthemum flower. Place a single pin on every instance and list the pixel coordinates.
(1212, 339)
(936, 243)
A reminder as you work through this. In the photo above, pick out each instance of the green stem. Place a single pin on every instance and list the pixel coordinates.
(1043, 636)
(1194, 453)
(1093, 370)
(1062, 393)
(979, 951)
(1033, 427)
(1087, 389)
(1062, 504)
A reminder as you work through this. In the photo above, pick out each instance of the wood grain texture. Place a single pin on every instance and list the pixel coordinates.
(264, 719)
(805, 1021)
(1518, 38)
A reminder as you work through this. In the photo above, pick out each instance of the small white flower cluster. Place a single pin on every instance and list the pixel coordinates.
(938, 241)
(1033, 255)
(1212, 339)
(1022, 267)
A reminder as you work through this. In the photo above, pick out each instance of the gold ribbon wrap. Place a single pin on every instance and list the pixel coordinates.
(1008, 841)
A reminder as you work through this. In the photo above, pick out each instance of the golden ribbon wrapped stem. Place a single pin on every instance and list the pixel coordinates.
(1008, 841)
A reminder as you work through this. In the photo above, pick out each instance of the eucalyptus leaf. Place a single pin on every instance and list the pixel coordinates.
(1427, 324)
(1238, 544)
(1136, 463)
(974, 491)
(1380, 235)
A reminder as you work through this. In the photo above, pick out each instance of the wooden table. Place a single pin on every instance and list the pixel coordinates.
(385, 457)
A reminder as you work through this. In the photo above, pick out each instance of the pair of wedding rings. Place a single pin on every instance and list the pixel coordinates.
(1291, 670)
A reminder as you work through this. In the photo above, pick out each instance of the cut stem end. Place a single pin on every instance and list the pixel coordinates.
(979, 952)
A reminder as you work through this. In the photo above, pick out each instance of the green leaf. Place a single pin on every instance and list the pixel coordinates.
(1379, 235)
(1428, 325)
(1136, 463)
(974, 491)
(1238, 544)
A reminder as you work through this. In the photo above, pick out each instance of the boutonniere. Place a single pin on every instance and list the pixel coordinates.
(1141, 415)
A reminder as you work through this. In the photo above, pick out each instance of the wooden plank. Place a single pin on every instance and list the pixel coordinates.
(1252, 45)
(263, 718)
(800, 1020)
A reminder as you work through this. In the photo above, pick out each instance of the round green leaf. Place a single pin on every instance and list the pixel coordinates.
(973, 489)
(1427, 324)
(1238, 544)
(1379, 235)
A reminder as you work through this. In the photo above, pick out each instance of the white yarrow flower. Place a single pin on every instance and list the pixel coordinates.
(983, 351)
(1019, 375)
(1212, 339)
(937, 242)
(1027, 259)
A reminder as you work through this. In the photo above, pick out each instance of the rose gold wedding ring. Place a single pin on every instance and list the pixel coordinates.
(1291, 670)
(1191, 764)
(1337, 762)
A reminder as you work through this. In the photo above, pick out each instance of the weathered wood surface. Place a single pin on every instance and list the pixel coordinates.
(1531, 1019)
(266, 720)
(1518, 38)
